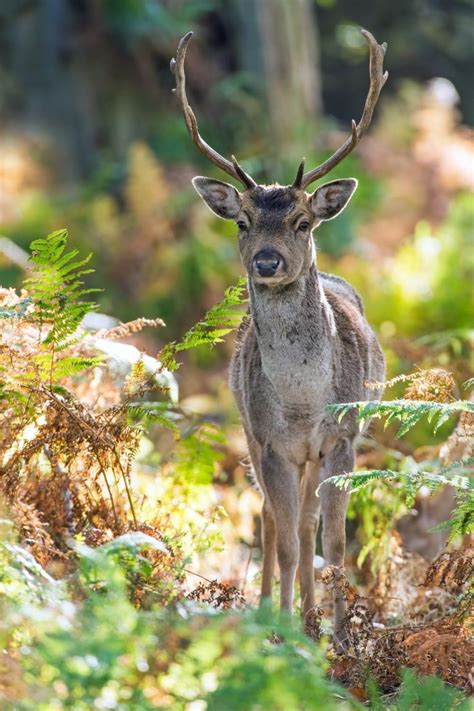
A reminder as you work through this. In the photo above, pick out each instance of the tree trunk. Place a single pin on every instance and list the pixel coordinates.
(278, 42)
(40, 64)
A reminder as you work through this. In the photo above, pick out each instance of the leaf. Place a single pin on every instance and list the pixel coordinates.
(409, 412)
(197, 454)
(72, 365)
(468, 384)
(220, 320)
(158, 413)
(56, 289)
(133, 542)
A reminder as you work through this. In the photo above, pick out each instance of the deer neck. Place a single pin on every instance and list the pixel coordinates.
(295, 332)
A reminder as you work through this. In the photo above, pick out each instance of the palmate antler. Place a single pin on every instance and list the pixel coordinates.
(230, 167)
(377, 79)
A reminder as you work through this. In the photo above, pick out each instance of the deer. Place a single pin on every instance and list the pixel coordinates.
(306, 345)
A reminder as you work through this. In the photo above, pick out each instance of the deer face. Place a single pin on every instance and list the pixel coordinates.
(275, 223)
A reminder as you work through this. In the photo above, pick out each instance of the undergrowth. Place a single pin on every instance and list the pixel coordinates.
(93, 608)
(438, 406)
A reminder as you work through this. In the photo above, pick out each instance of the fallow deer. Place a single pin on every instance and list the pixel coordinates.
(306, 345)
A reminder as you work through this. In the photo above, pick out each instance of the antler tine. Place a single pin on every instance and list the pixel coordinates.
(230, 167)
(377, 80)
(242, 175)
(299, 175)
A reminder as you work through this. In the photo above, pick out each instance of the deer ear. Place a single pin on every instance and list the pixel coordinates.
(221, 198)
(330, 199)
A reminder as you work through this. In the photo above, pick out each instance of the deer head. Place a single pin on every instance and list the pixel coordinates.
(275, 222)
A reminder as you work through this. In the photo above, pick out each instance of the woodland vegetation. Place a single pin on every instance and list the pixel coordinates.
(129, 529)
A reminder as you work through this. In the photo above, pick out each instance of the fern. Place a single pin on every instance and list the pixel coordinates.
(412, 476)
(220, 320)
(56, 289)
(461, 521)
(58, 368)
(408, 412)
(452, 475)
(430, 395)
(423, 693)
(56, 292)
(358, 480)
(159, 413)
(198, 454)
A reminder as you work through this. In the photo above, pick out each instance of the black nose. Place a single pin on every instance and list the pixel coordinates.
(267, 262)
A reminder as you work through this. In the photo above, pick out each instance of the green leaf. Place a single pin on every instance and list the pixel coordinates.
(56, 289)
(133, 542)
(220, 320)
(408, 412)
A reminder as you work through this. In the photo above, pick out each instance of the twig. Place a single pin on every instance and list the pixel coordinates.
(61, 472)
(124, 477)
(102, 471)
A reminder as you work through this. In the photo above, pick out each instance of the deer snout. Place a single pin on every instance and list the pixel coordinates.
(267, 262)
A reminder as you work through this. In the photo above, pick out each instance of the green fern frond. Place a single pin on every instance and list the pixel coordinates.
(159, 413)
(409, 473)
(57, 290)
(408, 412)
(72, 365)
(358, 480)
(461, 521)
(198, 454)
(220, 320)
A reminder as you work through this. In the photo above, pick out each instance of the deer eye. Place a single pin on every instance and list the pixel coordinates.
(241, 225)
(303, 226)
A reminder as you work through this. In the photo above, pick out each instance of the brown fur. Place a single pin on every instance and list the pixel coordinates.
(307, 345)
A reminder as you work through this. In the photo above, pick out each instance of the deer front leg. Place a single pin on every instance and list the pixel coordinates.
(268, 523)
(280, 479)
(269, 551)
(334, 507)
(308, 527)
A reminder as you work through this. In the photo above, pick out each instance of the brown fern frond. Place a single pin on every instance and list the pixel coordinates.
(433, 385)
(451, 570)
(125, 330)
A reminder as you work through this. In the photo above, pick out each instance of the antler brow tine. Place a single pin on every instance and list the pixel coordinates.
(232, 168)
(377, 80)
(299, 175)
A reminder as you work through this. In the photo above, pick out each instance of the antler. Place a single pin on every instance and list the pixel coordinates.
(377, 79)
(230, 167)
